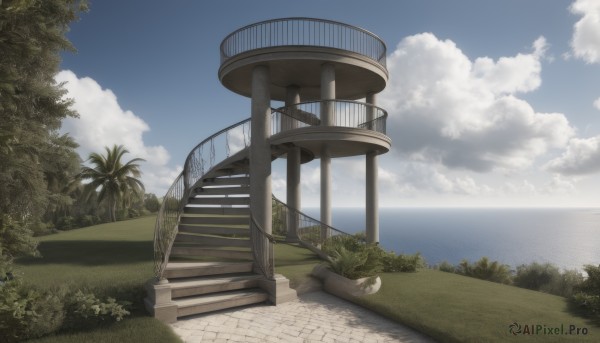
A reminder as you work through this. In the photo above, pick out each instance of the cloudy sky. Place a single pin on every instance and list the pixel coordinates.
(491, 103)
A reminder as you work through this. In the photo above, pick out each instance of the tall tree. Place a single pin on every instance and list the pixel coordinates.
(32, 106)
(117, 182)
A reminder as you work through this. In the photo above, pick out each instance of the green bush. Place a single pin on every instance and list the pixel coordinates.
(445, 266)
(588, 292)
(66, 223)
(348, 242)
(87, 220)
(402, 263)
(485, 270)
(354, 265)
(535, 276)
(86, 311)
(26, 312)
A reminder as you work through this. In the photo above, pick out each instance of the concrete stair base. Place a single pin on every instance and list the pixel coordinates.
(200, 287)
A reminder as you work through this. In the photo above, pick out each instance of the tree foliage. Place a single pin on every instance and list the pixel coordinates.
(32, 104)
(117, 182)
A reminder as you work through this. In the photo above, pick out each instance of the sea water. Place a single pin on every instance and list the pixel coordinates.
(567, 238)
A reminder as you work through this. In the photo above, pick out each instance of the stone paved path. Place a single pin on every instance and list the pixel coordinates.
(314, 317)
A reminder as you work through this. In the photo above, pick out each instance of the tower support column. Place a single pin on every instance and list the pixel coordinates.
(371, 186)
(260, 150)
(327, 119)
(293, 172)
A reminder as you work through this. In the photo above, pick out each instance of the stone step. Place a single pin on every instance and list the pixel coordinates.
(193, 269)
(218, 301)
(191, 251)
(220, 201)
(211, 241)
(181, 288)
(213, 230)
(227, 181)
(215, 220)
(231, 172)
(217, 210)
(243, 190)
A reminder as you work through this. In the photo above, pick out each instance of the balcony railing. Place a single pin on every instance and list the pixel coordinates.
(344, 113)
(304, 32)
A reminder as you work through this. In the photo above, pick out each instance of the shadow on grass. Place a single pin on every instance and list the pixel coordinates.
(291, 254)
(578, 311)
(91, 253)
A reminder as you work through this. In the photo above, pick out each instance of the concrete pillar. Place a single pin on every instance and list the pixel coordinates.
(370, 99)
(327, 119)
(293, 173)
(372, 191)
(372, 201)
(260, 150)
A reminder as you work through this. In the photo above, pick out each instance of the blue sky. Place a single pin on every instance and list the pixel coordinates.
(491, 103)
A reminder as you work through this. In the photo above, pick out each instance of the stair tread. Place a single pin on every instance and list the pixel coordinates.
(212, 280)
(220, 297)
(196, 265)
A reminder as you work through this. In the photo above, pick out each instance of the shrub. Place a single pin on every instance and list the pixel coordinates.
(356, 264)
(402, 263)
(348, 242)
(87, 220)
(591, 285)
(66, 223)
(445, 266)
(485, 270)
(85, 310)
(26, 312)
(535, 276)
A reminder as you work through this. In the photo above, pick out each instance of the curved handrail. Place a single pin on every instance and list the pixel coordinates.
(300, 31)
(262, 242)
(199, 161)
(308, 230)
(345, 113)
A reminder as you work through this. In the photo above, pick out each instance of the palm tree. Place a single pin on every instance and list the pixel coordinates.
(118, 182)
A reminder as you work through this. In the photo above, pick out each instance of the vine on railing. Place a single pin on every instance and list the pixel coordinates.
(262, 249)
(304, 32)
(200, 160)
(291, 223)
(345, 113)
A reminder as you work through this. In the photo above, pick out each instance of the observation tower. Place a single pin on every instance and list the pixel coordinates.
(217, 223)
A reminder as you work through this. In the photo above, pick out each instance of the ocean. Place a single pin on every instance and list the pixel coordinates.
(567, 238)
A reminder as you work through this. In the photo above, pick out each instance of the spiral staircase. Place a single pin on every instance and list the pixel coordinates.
(210, 250)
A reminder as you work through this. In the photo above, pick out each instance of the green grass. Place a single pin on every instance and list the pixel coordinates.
(114, 258)
(454, 308)
(295, 263)
(448, 307)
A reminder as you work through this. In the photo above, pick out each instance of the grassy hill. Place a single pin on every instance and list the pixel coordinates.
(450, 308)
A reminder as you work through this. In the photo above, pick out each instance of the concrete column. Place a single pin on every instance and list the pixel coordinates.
(293, 172)
(370, 99)
(372, 201)
(327, 93)
(260, 150)
(372, 191)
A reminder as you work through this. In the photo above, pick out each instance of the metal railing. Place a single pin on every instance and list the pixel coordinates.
(200, 160)
(304, 32)
(345, 113)
(308, 230)
(262, 249)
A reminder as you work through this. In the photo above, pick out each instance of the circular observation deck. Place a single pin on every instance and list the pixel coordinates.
(346, 128)
(295, 48)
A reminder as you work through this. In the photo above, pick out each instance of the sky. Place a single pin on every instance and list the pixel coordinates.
(490, 103)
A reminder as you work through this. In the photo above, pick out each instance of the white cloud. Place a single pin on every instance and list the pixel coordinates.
(581, 157)
(446, 109)
(102, 122)
(597, 104)
(586, 32)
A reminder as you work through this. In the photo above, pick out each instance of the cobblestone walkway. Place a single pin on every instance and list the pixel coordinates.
(314, 317)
